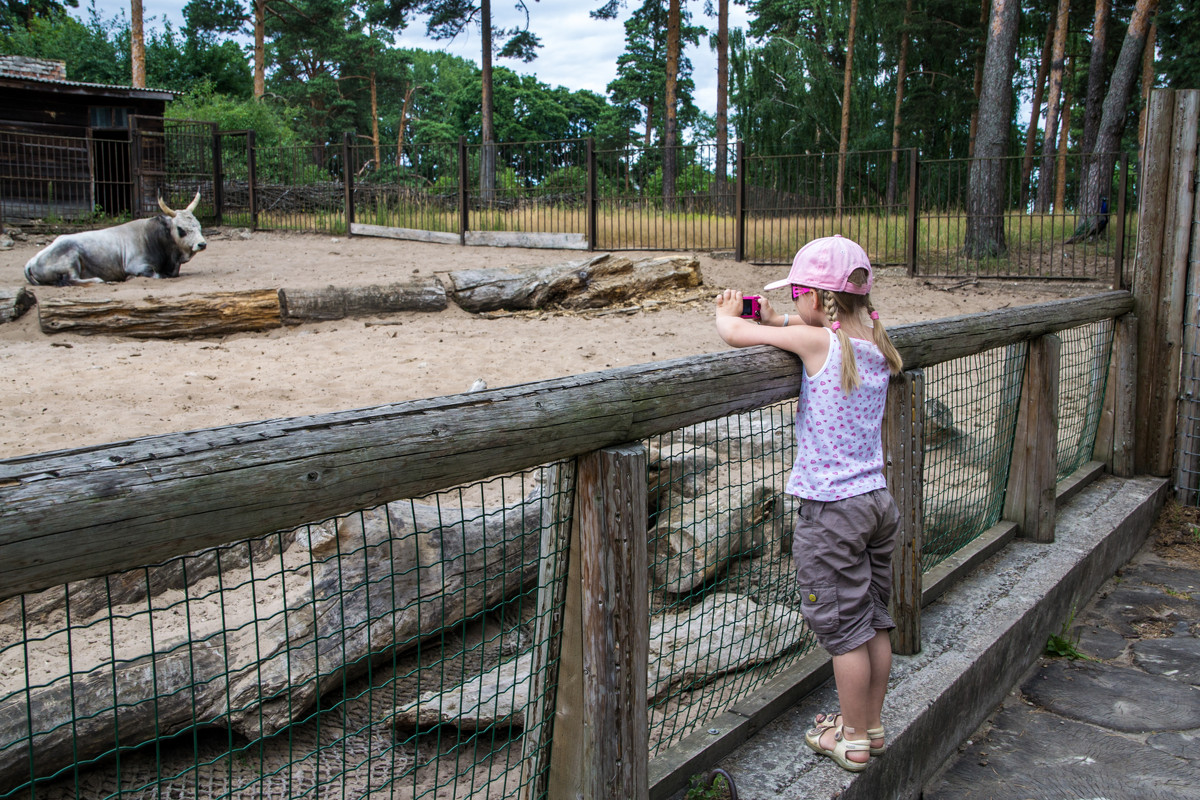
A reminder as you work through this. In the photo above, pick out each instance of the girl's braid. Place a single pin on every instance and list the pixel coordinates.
(849, 363)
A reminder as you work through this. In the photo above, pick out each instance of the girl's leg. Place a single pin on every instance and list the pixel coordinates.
(861, 676)
(852, 673)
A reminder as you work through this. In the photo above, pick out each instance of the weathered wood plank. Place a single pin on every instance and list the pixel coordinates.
(555, 241)
(92, 511)
(215, 314)
(616, 627)
(360, 229)
(904, 446)
(1030, 499)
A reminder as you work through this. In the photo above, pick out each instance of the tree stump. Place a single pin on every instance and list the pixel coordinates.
(14, 303)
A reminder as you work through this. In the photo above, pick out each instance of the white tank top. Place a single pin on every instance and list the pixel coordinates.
(839, 446)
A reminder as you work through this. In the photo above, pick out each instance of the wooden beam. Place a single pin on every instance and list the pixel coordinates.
(904, 448)
(603, 752)
(1114, 435)
(1032, 482)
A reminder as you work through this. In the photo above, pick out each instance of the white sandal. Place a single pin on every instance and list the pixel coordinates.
(841, 747)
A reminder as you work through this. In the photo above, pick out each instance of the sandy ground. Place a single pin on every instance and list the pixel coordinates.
(66, 390)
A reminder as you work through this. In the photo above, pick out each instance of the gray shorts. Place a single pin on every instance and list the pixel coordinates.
(843, 555)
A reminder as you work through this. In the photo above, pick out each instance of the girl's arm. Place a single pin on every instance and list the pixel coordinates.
(808, 342)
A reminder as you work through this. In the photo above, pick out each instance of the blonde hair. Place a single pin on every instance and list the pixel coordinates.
(841, 304)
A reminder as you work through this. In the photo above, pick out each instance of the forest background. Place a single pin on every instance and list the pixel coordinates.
(801, 77)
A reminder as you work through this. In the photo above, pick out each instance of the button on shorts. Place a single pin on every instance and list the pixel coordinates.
(843, 555)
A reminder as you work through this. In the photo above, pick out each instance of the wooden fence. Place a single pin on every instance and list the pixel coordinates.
(71, 515)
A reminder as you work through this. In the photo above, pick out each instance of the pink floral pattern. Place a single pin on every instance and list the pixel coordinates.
(839, 445)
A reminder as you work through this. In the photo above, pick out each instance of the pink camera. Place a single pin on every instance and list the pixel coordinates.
(750, 307)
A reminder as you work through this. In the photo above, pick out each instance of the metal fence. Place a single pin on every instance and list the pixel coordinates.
(412, 649)
(905, 210)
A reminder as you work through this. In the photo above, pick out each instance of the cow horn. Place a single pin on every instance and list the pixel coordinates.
(166, 209)
(195, 200)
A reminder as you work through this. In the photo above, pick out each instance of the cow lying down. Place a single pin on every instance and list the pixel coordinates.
(150, 248)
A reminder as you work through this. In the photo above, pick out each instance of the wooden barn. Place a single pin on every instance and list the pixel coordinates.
(69, 150)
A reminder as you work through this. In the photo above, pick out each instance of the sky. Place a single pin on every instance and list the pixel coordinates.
(577, 52)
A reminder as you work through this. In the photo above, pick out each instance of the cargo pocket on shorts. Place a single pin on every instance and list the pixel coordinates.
(819, 606)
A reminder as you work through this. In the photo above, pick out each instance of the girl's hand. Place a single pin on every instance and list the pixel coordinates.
(767, 314)
(729, 303)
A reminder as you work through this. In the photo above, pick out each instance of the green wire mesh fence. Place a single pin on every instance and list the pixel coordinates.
(1083, 374)
(970, 421)
(377, 652)
(725, 614)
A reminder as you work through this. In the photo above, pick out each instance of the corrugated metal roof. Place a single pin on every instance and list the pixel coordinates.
(82, 85)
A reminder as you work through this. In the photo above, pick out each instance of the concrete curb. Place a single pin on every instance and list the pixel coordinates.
(979, 639)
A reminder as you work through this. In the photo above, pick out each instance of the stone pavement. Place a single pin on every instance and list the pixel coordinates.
(1121, 723)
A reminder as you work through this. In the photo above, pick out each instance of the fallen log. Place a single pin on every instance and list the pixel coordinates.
(335, 302)
(14, 303)
(595, 282)
(379, 582)
(215, 314)
(724, 633)
(695, 540)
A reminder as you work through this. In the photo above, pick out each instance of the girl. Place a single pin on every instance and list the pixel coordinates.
(848, 522)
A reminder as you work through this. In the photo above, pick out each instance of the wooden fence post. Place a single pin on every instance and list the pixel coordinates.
(1114, 435)
(591, 193)
(904, 450)
(348, 178)
(464, 210)
(1030, 499)
(601, 730)
(1164, 229)
(739, 203)
(1119, 278)
(914, 196)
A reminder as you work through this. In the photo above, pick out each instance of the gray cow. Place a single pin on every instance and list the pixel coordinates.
(151, 248)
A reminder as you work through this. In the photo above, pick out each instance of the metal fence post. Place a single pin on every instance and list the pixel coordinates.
(914, 195)
(1030, 500)
(348, 179)
(601, 747)
(591, 193)
(252, 178)
(464, 210)
(904, 444)
(218, 178)
(739, 203)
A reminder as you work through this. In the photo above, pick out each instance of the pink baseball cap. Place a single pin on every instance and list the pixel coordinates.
(826, 263)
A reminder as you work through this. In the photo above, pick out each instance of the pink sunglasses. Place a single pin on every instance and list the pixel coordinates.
(799, 290)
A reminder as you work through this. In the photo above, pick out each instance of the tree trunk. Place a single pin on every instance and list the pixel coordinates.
(487, 153)
(985, 190)
(137, 55)
(214, 314)
(260, 50)
(1039, 89)
(901, 75)
(1147, 85)
(1050, 141)
(375, 121)
(984, 6)
(670, 129)
(844, 140)
(403, 125)
(1098, 173)
(1060, 170)
(722, 97)
(1097, 71)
